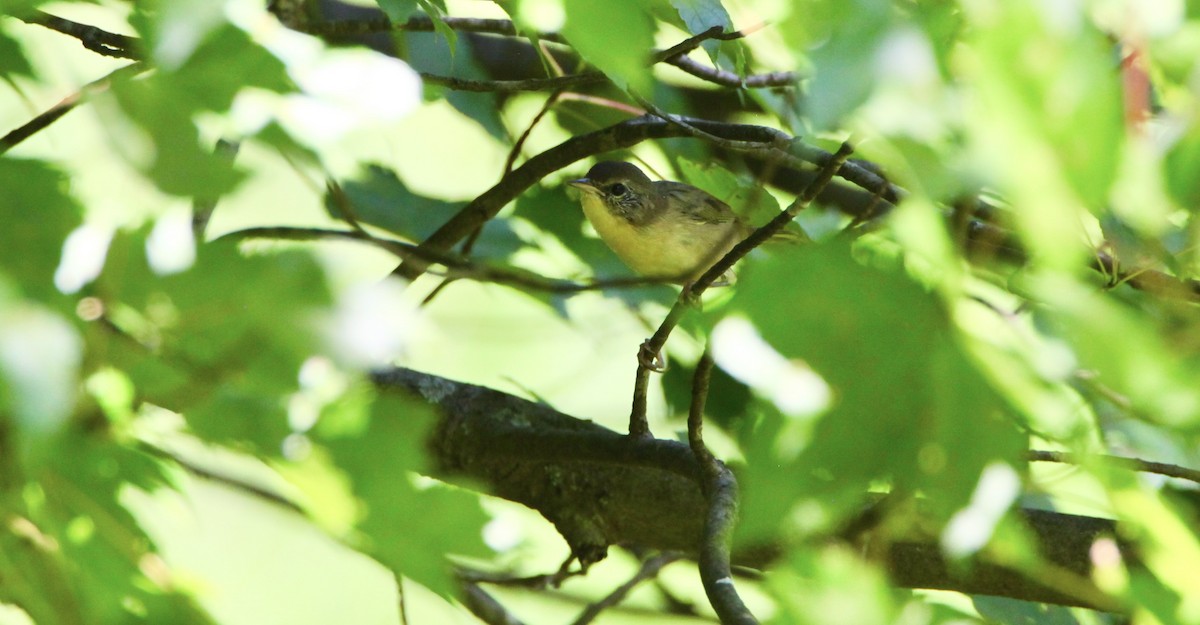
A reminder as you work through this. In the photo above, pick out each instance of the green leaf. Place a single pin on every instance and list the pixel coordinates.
(728, 402)
(221, 343)
(224, 64)
(428, 53)
(701, 15)
(379, 453)
(1005, 611)
(437, 10)
(847, 36)
(169, 150)
(38, 214)
(1047, 121)
(832, 586)
(12, 60)
(616, 37)
(909, 406)
(1180, 167)
(747, 198)
(1124, 349)
(398, 11)
(40, 357)
(102, 564)
(381, 199)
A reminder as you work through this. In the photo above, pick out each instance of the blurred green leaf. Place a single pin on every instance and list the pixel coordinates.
(222, 342)
(942, 22)
(227, 62)
(381, 199)
(701, 15)
(380, 452)
(40, 356)
(909, 407)
(430, 53)
(615, 36)
(831, 586)
(1180, 167)
(1048, 118)
(1004, 611)
(842, 40)
(169, 150)
(1126, 354)
(102, 567)
(38, 214)
(12, 59)
(172, 30)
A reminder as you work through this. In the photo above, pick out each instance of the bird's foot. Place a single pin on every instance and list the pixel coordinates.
(651, 358)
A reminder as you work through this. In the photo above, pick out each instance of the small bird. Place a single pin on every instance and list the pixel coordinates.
(659, 228)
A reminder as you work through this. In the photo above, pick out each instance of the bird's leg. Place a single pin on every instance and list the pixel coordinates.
(651, 358)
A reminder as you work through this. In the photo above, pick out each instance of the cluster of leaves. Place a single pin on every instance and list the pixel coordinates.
(890, 358)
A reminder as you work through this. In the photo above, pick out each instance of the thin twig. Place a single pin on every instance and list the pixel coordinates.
(203, 207)
(1133, 464)
(721, 492)
(344, 208)
(486, 608)
(648, 570)
(419, 23)
(95, 39)
(509, 162)
(509, 86)
(51, 115)
(455, 266)
(729, 79)
(520, 142)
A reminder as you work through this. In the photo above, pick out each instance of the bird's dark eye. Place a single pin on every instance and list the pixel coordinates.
(618, 189)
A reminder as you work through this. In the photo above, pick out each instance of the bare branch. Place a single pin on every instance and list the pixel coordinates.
(485, 607)
(418, 23)
(556, 83)
(721, 493)
(457, 267)
(730, 79)
(66, 105)
(1133, 464)
(648, 570)
(95, 39)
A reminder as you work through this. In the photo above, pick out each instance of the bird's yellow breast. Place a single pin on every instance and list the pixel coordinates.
(668, 246)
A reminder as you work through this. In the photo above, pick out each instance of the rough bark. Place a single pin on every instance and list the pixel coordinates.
(601, 488)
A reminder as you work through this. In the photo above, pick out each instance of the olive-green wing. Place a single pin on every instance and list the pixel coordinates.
(697, 205)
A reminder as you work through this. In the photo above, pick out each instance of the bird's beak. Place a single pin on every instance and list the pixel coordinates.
(584, 184)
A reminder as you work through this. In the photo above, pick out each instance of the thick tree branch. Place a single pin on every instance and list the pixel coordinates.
(601, 488)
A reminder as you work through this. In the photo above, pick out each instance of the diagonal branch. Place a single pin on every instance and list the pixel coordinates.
(456, 266)
(66, 105)
(619, 136)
